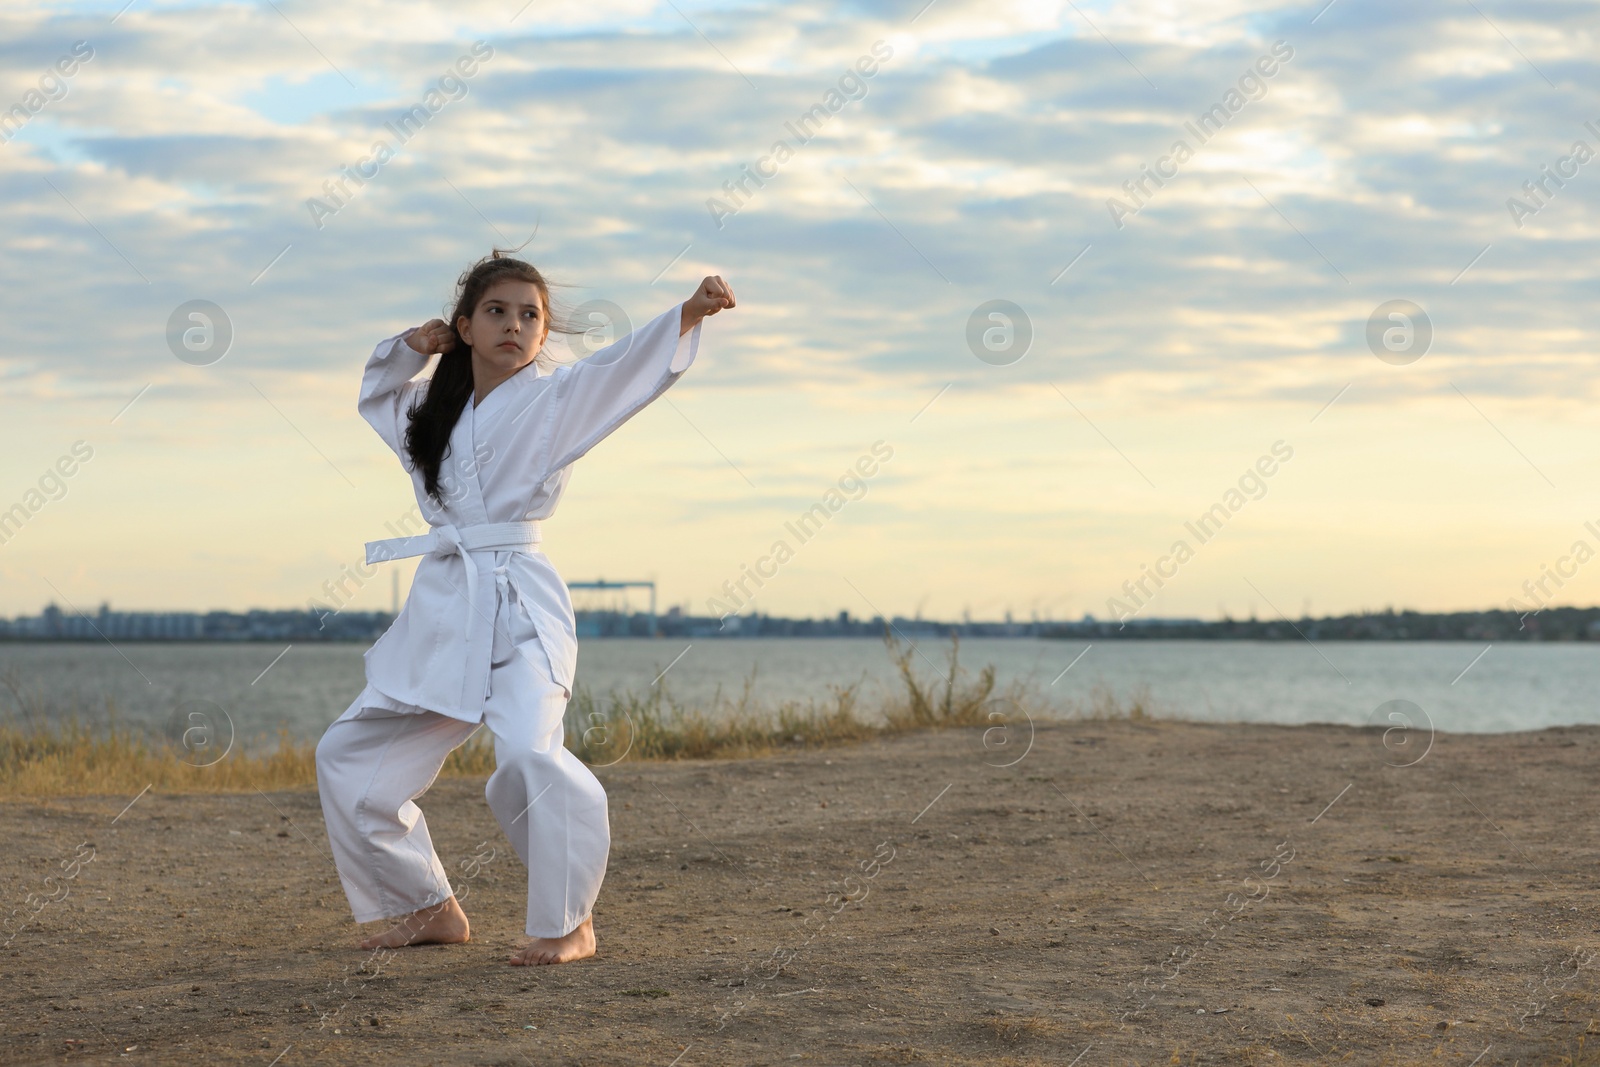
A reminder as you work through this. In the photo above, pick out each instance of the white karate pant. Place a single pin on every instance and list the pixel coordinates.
(374, 762)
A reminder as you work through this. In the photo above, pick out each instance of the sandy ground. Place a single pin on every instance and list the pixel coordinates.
(1120, 893)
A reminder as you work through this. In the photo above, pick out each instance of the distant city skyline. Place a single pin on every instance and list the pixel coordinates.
(324, 624)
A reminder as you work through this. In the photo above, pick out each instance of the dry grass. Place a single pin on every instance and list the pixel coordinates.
(73, 759)
(45, 753)
(1012, 1028)
(1575, 1054)
(925, 705)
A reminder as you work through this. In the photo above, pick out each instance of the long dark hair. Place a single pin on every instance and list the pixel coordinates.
(434, 417)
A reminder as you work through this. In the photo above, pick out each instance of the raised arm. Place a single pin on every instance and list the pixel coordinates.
(591, 398)
(594, 396)
(387, 385)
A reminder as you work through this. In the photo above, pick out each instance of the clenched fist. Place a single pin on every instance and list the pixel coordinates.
(713, 296)
(432, 336)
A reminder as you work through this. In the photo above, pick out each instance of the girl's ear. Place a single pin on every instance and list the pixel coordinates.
(464, 328)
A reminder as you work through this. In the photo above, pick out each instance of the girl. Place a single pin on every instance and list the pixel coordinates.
(487, 633)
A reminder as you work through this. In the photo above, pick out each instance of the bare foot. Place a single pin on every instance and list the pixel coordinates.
(574, 946)
(443, 924)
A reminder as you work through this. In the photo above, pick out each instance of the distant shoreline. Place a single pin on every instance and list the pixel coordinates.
(260, 626)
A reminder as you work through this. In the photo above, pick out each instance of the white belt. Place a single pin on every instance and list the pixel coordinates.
(449, 540)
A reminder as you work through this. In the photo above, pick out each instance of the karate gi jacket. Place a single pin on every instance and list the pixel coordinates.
(509, 461)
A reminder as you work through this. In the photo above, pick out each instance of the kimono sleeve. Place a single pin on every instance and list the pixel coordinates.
(387, 388)
(594, 396)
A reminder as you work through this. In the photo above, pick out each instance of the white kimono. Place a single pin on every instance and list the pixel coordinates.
(510, 458)
(486, 635)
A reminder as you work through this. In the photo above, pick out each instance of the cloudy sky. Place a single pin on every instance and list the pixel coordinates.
(1176, 331)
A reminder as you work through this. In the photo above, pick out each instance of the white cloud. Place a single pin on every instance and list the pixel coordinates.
(1383, 153)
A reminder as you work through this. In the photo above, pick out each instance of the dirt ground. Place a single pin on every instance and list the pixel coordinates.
(1119, 893)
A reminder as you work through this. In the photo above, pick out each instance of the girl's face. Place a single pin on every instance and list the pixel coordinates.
(508, 327)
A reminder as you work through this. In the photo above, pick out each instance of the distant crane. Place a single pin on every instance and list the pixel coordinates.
(603, 584)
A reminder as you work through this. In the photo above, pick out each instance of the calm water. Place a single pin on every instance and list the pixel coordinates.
(1512, 687)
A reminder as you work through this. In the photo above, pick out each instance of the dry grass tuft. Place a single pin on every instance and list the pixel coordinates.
(1013, 1029)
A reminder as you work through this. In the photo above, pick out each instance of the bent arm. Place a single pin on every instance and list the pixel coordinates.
(594, 396)
(387, 388)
